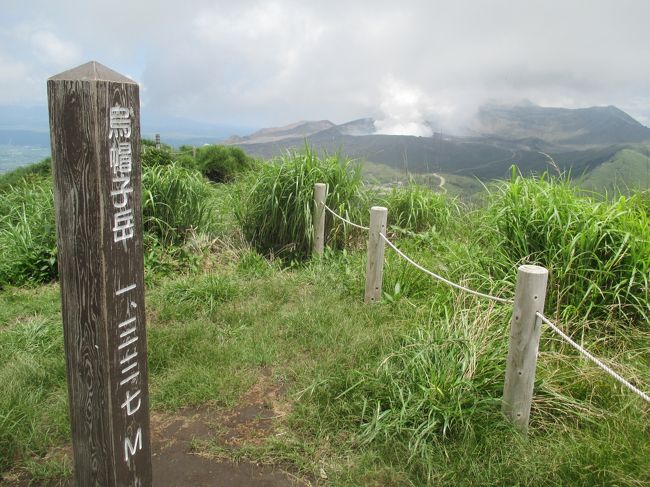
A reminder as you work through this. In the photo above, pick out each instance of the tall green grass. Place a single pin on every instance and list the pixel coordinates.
(27, 233)
(416, 208)
(152, 157)
(176, 201)
(598, 252)
(276, 202)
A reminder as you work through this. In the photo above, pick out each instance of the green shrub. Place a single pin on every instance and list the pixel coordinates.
(27, 233)
(187, 161)
(152, 157)
(146, 143)
(175, 201)
(598, 253)
(275, 205)
(221, 164)
(416, 208)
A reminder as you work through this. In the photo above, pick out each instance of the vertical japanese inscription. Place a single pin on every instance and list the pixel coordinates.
(121, 161)
(126, 329)
(95, 135)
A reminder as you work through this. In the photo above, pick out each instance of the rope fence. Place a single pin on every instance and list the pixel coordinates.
(596, 361)
(345, 220)
(528, 304)
(440, 278)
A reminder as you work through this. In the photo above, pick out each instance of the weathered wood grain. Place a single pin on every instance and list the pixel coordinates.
(320, 195)
(525, 329)
(102, 280)
(376, 245)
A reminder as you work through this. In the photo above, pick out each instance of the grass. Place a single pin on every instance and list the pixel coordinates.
(406, 392)
(27, 233)
(417, 209)
(596, 251)
(276, 203)
(176, 201)
(33, 405)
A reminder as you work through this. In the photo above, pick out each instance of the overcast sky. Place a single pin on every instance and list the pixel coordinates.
(274, 62)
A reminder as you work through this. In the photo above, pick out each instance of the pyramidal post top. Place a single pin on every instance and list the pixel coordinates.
(91, 71)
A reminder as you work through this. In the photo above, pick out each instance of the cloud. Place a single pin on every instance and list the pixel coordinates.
(272, 62)
(54, 51)
(33, 52)
(404, 110)
(15, 80)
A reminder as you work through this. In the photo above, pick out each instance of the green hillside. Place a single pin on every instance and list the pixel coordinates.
(404, 392)
(627, 171)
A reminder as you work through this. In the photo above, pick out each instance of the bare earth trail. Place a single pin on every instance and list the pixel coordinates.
(442, 182)
(194, 447)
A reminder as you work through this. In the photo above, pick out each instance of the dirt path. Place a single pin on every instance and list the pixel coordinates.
(442, 182)
(195, 447)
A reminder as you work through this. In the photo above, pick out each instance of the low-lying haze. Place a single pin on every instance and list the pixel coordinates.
(416, 67)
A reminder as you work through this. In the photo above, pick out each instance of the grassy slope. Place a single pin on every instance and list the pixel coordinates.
(362, 381)
(627, 170)
(455, 184)
(14, 177)
(311, 329)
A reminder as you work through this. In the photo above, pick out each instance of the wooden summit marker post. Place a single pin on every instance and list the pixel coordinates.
(95, 136)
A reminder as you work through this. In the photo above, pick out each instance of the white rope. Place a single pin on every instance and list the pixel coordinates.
(346, 221)
(442, 279)
(568, 339)
(600, 364)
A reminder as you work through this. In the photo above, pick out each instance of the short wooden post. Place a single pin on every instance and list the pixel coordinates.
(525, 326)
(320, 195)
(157, 141)
(194, 152)
(95, 137)
(376, 244)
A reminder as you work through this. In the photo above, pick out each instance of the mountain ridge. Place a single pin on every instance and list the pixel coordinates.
(577, 139)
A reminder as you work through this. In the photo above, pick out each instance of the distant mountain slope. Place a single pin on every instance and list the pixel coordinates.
(481, 157)
(583, 126)
(524, 135)
(362, 126)
(627, 170)
(296, 130)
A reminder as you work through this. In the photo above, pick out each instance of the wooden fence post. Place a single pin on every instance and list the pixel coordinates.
(376, 244)
(194, 152)
(525, 326)
(95, 137)
(320, 195)
(157, 141)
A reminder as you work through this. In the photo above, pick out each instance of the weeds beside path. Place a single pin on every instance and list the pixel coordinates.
(277, 371)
